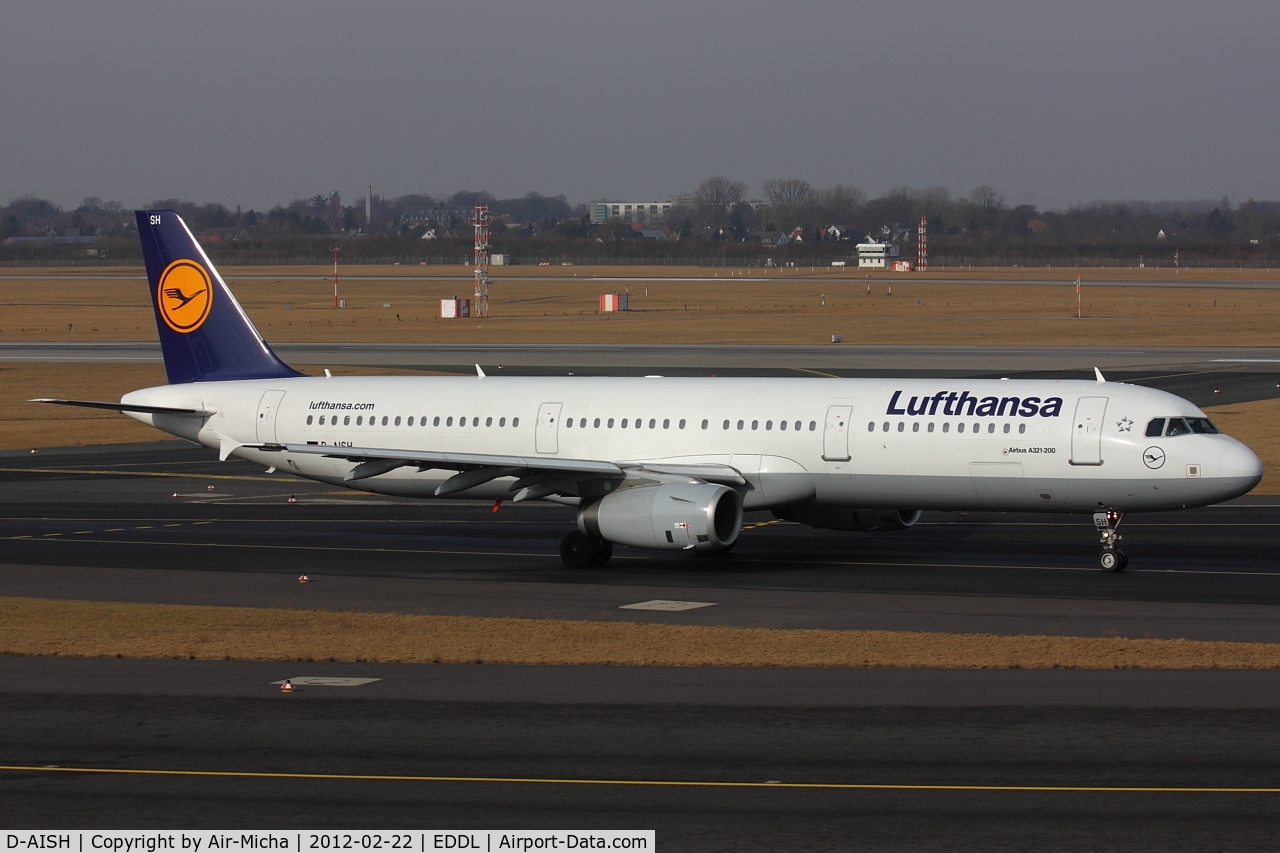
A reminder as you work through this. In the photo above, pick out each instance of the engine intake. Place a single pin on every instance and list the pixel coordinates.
(704, 517)
(848, 518)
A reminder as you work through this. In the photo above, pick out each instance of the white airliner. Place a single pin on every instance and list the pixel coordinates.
(671, 464)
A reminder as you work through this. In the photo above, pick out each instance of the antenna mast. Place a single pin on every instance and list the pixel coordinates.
(481, 306)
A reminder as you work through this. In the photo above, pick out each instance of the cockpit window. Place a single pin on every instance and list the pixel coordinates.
(1155, 428)
(1202, 426)
(1177, 426)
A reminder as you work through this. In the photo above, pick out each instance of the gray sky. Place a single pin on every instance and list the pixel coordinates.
(256, 103)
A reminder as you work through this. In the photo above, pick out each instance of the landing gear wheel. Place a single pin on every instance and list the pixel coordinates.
(604, 552)
(579, 550)
(1113, 560)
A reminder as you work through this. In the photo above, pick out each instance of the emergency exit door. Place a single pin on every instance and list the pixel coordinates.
(268, 409)
(835, 434)
(1086, 431)
(546, 435)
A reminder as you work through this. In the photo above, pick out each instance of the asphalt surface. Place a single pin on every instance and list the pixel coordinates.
(102, 523)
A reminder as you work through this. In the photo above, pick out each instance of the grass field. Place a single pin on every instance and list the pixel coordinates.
(95, 629)
(680, 305)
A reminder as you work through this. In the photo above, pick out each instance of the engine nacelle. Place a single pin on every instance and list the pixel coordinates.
(848, 518)
(675, 517)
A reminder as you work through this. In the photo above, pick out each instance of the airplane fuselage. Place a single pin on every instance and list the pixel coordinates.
(1027, 445)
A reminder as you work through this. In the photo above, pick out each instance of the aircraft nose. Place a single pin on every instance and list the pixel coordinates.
(1240, 463)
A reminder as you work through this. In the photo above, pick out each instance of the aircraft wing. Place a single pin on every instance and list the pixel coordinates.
(535, 476)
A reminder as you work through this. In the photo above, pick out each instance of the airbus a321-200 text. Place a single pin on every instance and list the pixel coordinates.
(672, 463)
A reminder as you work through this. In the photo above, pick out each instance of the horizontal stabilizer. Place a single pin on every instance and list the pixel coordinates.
(128, 407)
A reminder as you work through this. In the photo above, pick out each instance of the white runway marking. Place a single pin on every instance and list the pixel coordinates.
(663, 604)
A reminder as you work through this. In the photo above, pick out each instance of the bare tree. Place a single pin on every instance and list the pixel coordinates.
(986, 198)
(791, 200)
(715, 198)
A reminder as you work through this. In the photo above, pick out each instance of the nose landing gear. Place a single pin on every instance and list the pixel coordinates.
(1112, 559)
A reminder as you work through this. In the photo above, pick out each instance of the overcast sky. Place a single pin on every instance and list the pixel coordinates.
(258, 103)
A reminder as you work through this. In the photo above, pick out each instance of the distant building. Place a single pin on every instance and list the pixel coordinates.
(876, 255)
(628, 211)
(768, 238)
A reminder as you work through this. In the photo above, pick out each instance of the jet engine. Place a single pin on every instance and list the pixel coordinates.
(848, 518)
(671, 517)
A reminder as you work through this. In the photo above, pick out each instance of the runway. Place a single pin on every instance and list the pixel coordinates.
(103, 523)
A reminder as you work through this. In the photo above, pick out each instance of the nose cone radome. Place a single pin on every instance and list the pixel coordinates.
(1241, 467)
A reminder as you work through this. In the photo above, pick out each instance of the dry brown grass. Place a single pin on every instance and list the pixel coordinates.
(720, 306)
(96, 629)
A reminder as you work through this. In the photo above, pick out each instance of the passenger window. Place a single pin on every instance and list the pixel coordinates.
(346, 420)
(624, 423)
(740, 424)
(475, 422)
(915, 427)
(610, 423)
(1177, 426)
(901, 426)
(384, 420)
(359, 420)
(322, 420)
(930, 426)
(681, 423)
(782, 425)
(666, 423)
(569, 423)
(639, 423)
(596, 423)
(436, 421)
(409, 422)
(397, 420)
(886, 427)
(652, 423)
(946, 426)
(1022, 428)
(960, 428)
(768, 425)
(871, 426)
(977, 427)
(992, 428)
(1006, 429)
(449, 422)
(487, 422)
(515, 422)
(813, 425)
(726, 424)
(755, 424)
(1155, 428)
(704, 423)
(309, 419)
(502, 422)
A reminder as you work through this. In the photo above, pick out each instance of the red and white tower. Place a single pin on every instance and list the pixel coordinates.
(922, 244)
(481, 306)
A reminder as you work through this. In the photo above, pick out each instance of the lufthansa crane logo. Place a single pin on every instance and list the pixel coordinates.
(184, 296)
(1153, 457)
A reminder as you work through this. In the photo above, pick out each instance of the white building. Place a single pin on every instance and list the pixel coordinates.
(628, 211)
(876, 255)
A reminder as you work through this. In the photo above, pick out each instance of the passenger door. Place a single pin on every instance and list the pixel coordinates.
(835, 434)
(1086, 431)
(546, 433)
(268, 409)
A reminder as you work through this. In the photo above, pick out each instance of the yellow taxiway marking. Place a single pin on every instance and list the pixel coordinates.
(654, 783)
(817, 372)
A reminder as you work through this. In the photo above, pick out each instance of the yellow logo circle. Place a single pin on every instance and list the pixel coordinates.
(184, 296)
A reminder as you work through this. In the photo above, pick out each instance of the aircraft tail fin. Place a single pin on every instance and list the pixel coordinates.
(204, 333)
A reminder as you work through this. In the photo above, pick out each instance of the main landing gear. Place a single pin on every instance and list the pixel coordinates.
(580, 551)
(1112, 559)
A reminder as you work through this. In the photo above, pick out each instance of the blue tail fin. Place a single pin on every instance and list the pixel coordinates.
(204, 333)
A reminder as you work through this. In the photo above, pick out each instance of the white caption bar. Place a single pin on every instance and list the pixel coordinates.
(416, 841)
